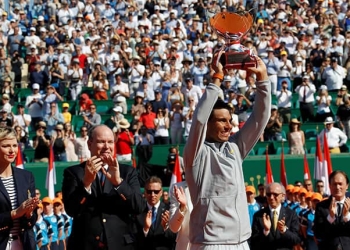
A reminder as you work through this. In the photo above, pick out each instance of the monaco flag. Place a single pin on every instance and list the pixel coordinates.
(326, 154)
(283, 176)
(176, 175)
(269, 176)
(307, 175)
(320, 170)
(19, 158)
(51, 175)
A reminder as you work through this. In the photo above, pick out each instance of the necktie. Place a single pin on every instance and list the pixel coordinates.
(275, 219)
(102, 178)
(154, 215)
(304, 96)
(339, 210)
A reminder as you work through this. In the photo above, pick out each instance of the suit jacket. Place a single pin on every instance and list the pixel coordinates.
(330, 235)
(157, 238)
(24, 183)
(275, 240)
(179, 222)
(105, 214)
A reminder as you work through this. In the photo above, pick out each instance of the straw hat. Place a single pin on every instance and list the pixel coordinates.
(123, 123)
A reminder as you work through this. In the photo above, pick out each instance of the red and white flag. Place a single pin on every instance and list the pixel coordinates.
(51, 175)
(19, 158)
(327, 155)
(320, 170)
(269, 176)
(176, 175)
(307, 175)
(283, 176)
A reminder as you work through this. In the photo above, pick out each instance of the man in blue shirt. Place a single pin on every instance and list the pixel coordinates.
(253, 206)
(54, 222)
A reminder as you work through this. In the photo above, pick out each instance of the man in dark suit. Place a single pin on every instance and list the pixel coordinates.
(101, 195)
(152, 224)
(23, 216)
(332, 217)
(275, 227)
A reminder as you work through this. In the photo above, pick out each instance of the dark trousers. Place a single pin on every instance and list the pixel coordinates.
(310, 243)
(307, 111)
(285, 113)
(44, 247)
(54, 246)
(160, 140)
(61, 245)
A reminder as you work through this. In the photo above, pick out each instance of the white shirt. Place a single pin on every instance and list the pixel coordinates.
(123, 87)
(194, 92)
(135, 76)
(310, 90)
(34, 110)
(20, 119)
(334, 77)
(335, 137)
(323, 107)
(284, 100)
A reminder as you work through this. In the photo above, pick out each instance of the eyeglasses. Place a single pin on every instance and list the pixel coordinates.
(153, 191)
(320, 186)
(272, 194)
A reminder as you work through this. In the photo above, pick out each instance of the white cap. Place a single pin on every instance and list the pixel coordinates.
(40, 18)
(32, 29)
(328, 120)
(36, 86)
(318, 41)
(118, 109)
(323, 87)
(156, 7)
(227, 78)
(42, 29)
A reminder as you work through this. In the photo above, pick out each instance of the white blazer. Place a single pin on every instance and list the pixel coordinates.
(179, 221)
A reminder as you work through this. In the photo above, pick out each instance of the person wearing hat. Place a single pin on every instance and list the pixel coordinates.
(135, 72)
(335, 137)
(191, 91)
(43, 229)
(34, 105)
(306, 98)
(101, 221)
(125, 141)
(32, 39)
(61, 218)
(332, 214)
(342, 94)
(272, 65)
(5, 120)
(41, 143)
(17, 200)
(161, 136)
(253, 206)
(112, 122)
(64, 60)
(296, 138)
(119, 93)
(323, 100)
(51, 96)
(284, 71)
(54, 221)
(198, 72)
(59, 142)
(334, 76)
(277, 223)
(273, 128)
(67, 116)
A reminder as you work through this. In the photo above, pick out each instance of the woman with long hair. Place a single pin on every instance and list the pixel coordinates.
(101, 86)
(17, 197)
(70, 140)
(57, 77)
(296, 138)
(136, 110)
(161, 123)
(59, 144)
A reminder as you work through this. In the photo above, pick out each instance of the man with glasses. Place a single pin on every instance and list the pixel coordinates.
(92, 119)
(191, 91)
(152, 224)
(101, 196)
(335, 137)
(275, 227)
(320, 188)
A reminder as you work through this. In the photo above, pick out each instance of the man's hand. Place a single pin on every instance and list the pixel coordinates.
(333, 208)
(148, 221)
(165, 219)
(266, 222)
(180, 197)
(216, 65)
(346, 207)
(260, 70)
(281, 225)
(92, 166)
(113, 174)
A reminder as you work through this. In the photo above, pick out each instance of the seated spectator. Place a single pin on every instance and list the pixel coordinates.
(59, 144)
(101, 86)
(175, 94)
(34, 105)
(273, 128)
(92, 118)
(119, 93)
(125, 141)
(53, 118)
(296, 138)
(323, 104)
(67, 116)
(70, 139)
(41, 143)
(136, 110)
(84, 104)
(5, 100)
(115, 118)
(341, 94)
(161, 123)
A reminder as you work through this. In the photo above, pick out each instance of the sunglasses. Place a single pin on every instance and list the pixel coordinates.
(153, 191)
(273, 194)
